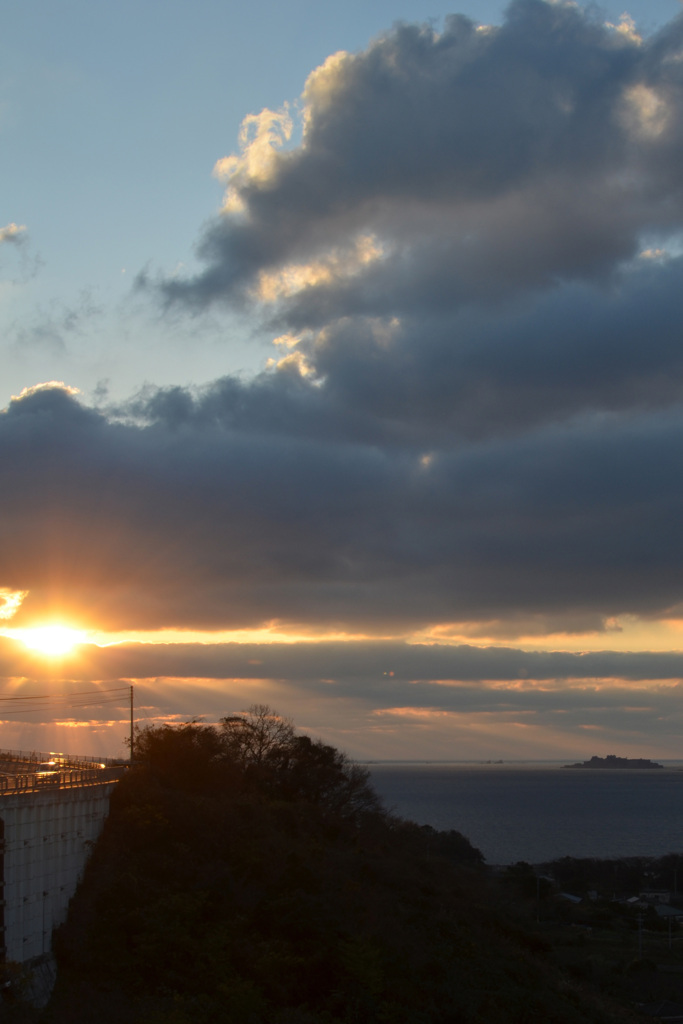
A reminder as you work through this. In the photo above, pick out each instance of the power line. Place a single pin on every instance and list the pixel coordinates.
(27, 703)
(76, 693)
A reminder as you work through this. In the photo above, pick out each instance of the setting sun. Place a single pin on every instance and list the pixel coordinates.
(51, 640)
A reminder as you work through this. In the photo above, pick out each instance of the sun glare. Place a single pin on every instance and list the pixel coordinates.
(51, 640)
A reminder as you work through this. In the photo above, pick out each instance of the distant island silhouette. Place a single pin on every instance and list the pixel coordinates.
(612, 761)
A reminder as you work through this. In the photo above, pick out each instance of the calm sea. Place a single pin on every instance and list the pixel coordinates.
(541, 811)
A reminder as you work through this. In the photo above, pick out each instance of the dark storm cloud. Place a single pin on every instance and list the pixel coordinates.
(363, 667)
(209, 517)
(476, 373)
(477, 411)
(485, 161)
(471, 237)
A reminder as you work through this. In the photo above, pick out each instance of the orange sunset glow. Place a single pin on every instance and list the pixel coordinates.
(54, 640)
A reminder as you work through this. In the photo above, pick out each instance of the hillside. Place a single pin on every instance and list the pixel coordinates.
(249, 875)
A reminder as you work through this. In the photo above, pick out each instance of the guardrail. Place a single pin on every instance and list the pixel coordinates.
(60, 760)
(35, 782)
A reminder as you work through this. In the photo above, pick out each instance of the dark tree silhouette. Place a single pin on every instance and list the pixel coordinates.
(258, 736)
(326, 777)
(190, 756)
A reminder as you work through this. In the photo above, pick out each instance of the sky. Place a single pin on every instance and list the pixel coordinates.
(341, 370)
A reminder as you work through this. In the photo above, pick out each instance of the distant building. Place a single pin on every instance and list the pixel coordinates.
(570, 897)
(656, 896)
(666, 912)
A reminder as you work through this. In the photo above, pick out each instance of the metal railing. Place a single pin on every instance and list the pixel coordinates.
(61, 760)
(51, 771)
(41, 781)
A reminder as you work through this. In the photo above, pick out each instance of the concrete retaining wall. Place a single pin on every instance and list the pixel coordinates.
(46, 836)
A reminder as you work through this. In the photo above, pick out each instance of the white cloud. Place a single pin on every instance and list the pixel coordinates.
(261, 136)
(12, 233)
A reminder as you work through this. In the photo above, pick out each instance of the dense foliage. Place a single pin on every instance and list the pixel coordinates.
(248, 875)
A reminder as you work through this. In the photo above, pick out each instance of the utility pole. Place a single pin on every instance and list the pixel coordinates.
(131, 725)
